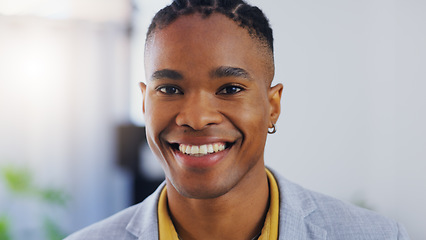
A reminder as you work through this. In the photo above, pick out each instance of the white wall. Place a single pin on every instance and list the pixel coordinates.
(354, 107)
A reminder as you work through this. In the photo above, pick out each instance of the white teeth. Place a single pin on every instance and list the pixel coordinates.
(216, 147)
(202, 149)
(194, 150)
(221, 147)
(210, 148)
(187, 149)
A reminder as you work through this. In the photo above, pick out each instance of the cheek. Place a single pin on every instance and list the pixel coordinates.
(251, 118)
(155, 120)
(251, 113)
(157, 113)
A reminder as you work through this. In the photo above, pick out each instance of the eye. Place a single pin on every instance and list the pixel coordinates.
(169, 90)
(231, 89)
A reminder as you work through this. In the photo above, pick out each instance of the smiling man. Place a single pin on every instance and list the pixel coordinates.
(209, 104)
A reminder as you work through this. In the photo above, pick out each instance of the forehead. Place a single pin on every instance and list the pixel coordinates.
(188, 27)
(194, 41)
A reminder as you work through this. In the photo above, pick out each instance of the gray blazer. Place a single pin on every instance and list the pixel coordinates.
(303, 215)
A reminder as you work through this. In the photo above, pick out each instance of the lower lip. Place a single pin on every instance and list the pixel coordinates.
(200, 162)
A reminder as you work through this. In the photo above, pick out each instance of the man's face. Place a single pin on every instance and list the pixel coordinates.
(207, 103)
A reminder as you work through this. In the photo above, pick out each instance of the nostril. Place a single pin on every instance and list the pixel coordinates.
(198, 119)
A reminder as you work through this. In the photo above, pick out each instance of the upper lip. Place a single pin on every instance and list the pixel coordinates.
(200, 140)
(201, 137)
(209, 135)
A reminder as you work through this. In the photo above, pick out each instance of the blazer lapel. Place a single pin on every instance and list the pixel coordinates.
(293, 225)
(144, 223)
(295, 206)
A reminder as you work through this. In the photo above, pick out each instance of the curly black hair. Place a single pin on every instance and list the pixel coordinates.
(246, 16)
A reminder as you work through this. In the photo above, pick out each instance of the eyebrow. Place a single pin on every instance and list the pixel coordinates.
(220, 72)
(226, 71)
(166, 73)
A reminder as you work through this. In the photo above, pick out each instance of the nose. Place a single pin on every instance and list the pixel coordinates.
(198, 111)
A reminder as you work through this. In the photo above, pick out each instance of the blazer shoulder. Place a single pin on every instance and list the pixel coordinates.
(137, 221)
(339, 219)
(113, 227)
(347, 221)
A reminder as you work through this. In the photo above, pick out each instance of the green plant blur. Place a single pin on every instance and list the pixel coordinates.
(20, 184)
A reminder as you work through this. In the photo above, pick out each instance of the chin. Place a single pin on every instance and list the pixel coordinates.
(202, 191)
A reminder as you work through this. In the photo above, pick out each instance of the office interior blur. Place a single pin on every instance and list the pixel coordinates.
(72, 144)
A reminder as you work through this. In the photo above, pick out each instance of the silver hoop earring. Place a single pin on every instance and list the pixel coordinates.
(274, 129)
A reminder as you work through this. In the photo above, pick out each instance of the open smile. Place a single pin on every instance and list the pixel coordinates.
(201, 150)
(201, 155)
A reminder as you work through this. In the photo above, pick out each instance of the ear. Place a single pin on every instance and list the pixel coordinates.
(274, 96)
(143, 89)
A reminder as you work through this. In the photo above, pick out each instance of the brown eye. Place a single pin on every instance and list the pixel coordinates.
(169, 90)
(229, 90)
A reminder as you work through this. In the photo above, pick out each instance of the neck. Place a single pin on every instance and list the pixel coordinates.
(238, 214)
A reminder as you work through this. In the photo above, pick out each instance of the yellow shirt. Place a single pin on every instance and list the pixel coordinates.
(167, 230)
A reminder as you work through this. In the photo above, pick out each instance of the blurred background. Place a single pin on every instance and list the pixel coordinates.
(72, 147)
